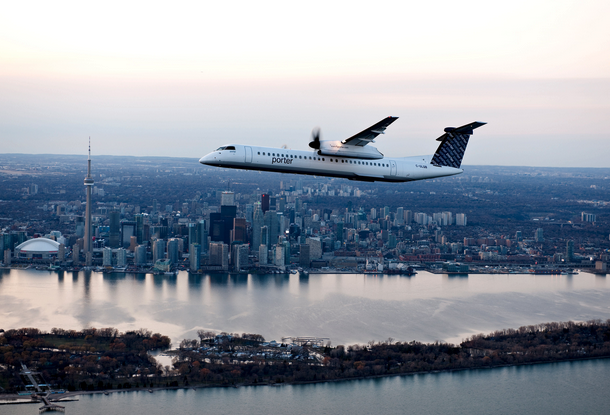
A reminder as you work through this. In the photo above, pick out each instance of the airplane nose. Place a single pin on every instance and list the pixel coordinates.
(208, 159)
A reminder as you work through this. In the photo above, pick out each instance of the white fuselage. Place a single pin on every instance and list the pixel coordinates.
(310, 162)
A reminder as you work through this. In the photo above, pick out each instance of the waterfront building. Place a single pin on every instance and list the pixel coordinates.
(158, 250)
(219, 255)
(262, 254)
(107, 257)
(173, 251)
(61, 253)
(315, 248)
(202, 235)
(140, 255)
(121, 257)
(76, 254)
(304, 259)
(195, 257)
(43, 249)
(570, 251)
(279, 256)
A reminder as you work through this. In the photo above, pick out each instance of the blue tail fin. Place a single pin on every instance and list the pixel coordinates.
(453, 145)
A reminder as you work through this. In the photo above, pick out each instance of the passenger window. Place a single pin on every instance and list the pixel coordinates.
(259, 153)
(322, 158)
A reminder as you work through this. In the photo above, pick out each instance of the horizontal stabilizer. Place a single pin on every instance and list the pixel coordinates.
(464, 129)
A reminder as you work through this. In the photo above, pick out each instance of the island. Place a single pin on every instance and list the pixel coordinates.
(61, 362)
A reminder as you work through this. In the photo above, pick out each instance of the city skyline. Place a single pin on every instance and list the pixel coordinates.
(151, 81)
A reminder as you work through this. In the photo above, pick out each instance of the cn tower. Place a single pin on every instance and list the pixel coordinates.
(88, 184)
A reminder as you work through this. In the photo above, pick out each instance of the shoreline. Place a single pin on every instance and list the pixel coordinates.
(19, 400)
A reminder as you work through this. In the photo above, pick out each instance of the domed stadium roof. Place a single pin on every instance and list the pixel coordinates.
(38, 245)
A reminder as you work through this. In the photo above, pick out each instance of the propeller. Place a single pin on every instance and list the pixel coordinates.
(315, 135)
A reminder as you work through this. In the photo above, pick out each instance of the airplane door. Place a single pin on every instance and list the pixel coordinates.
(392, 168)
(248, 156)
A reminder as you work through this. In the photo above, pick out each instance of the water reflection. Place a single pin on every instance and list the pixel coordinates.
(347, 308)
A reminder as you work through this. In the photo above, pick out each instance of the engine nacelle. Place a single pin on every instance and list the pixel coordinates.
(338, 149)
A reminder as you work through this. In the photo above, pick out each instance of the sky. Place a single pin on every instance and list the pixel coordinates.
(182, 78)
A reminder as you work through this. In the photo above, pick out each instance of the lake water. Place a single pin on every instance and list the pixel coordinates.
(347, 308)
(557, 388)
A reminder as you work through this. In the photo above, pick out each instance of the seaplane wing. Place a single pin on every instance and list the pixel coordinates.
(364, 137)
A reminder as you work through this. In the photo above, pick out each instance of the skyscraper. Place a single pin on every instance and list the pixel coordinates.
(140, 256)
(239, 230)
(257, 224)
(194, 256)
(173, 251)
(273, 225)
(227, 199)
(114, 237)
(265, 202)
(570, 251)
(128, 229)
(158, 250)
(539, 236)
(88, 185)
(139, 228)
(219, 255)
(202, 235)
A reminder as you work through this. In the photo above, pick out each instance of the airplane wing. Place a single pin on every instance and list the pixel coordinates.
(364, 137)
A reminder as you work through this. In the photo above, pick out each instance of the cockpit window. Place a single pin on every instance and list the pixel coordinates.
(230, 148)
(220, 148)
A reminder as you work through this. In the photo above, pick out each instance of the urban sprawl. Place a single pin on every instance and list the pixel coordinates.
(162, 215)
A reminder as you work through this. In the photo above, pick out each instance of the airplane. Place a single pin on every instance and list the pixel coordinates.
(351, 158)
